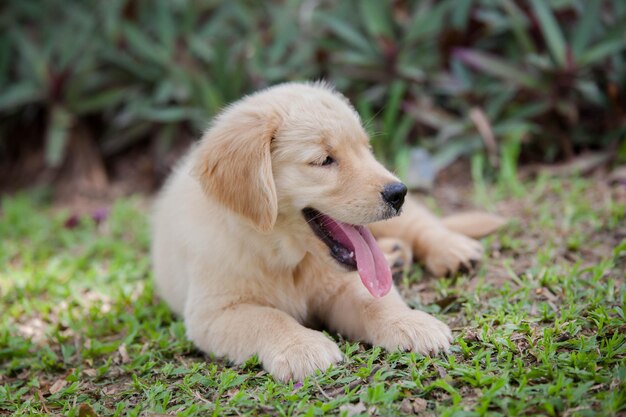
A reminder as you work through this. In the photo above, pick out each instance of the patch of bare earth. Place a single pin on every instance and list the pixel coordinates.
(455, 194)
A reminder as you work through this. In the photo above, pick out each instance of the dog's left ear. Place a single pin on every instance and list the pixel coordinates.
(234, 165)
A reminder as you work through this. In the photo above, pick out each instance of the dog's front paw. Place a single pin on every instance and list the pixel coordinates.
(412, 331)
(449, 252)
(307, 353)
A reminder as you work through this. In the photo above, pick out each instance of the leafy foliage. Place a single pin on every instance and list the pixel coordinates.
(449, 75)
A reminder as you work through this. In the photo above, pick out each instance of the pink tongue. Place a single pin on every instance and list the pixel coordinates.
(370, 261)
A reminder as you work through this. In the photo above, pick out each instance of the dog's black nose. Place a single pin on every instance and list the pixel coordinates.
(394, 194)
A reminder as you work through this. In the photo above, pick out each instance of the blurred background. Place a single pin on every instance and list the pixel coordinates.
(99, 98)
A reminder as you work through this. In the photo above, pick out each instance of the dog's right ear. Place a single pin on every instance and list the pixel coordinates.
(233, 163)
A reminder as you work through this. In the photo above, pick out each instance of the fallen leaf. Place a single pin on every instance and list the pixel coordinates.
(406, 407)
(42, 401)
(33, 329)
(352, 409)
(563, 337)
(58, 386)
(231, 393)
(123, 353)
(471, 336)
(446, 301)
(442, 372)
(85, 410)
(113, 389)
(419, 405)
(413, 406)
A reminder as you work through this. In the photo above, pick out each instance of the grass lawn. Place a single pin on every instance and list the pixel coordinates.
(540, 327)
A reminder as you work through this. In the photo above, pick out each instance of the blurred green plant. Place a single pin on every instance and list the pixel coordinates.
(562, 74)
(451, 76)
(551, 74)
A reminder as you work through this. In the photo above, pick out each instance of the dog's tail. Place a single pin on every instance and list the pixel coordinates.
(474, 224)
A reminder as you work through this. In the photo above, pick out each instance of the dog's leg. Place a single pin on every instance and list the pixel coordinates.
(442, 250)
(387, 322)
(398, 254)
(287, 350)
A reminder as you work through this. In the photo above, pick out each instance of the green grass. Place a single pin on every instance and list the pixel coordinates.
(540, 328)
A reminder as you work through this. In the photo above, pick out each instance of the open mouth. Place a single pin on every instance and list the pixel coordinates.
(355, 248)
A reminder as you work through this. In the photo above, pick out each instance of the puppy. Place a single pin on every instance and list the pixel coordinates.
(262, 233)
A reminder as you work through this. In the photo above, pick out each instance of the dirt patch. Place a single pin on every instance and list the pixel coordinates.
(584, 241)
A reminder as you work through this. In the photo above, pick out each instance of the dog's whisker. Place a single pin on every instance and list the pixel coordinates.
(323, 229)
(317, 216)
(368, 123)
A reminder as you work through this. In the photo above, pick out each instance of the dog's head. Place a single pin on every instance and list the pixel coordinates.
(298, 153)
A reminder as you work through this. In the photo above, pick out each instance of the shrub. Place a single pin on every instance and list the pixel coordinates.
(452, 76)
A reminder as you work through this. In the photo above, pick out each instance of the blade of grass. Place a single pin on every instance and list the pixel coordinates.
(509, 156)
(168, 114)
(400, 135)
(145, 47)
(57, 134)
(583, 32)
(461, 145)
(495, 66)
(34, 59)
(100, 101)
(519, 24)
(551, 31)
(390, 114)
(17, 95)
(376, 17)
(165, 23)
(117, 140)
(347, 33)
(614, 41)
(460, 14)
(427, 19)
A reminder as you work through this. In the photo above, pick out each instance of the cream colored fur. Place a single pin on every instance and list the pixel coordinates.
(235, 258)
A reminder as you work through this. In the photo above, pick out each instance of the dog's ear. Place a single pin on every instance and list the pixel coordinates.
(233, 164)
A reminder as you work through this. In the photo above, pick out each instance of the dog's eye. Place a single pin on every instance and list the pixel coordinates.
(329, 160)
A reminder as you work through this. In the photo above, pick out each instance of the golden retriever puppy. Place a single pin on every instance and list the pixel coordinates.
(261, 233)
